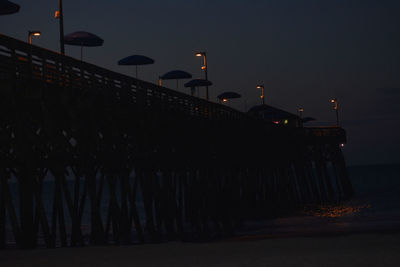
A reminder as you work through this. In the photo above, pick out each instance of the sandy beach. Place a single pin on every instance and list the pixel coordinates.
(346, 250)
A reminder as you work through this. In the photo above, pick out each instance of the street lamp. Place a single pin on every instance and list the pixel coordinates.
(261, 86)
(301, 112)
(34, 33)
(204, 67)
(336, 108)
(59, 15)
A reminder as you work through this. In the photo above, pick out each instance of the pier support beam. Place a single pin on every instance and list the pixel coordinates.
(26, 200)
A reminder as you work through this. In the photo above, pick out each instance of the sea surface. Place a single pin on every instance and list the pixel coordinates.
(375, 207)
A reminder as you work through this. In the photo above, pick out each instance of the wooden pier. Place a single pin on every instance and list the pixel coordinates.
(91, 156)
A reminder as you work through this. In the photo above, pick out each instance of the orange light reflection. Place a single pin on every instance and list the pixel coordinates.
(336, 211)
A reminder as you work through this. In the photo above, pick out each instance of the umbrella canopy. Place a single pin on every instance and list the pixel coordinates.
(307, 119)
(198, 83)
(82, 38)
(228, 95)
(175, 75)
(272, 113)
(7, 7)
(136, 60)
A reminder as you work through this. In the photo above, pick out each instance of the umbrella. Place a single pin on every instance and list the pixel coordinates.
(82, 39)
(136, 60)
(7, 7)
(176, 75)
(271, 113)
(307, 119)
(228, 95)
(197, 83)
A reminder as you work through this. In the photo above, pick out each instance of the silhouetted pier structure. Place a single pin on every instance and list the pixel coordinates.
(142, 162)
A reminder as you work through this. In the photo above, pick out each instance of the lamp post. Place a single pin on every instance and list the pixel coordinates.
(59, 15)
(204, 67)
(336, 108)
(301, 112)
(261, 86)
(34, 33)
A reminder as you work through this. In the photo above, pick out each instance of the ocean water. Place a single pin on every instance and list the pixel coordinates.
(375, 207)
(378, 185)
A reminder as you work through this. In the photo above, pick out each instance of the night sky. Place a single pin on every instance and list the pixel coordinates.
(305, 52)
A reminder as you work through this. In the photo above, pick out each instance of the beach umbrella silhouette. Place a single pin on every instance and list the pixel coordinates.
(307, 119)
(175, 75)
(228, 95)
(82, 39)
(197, 83)
(136, 60)
(7, 7)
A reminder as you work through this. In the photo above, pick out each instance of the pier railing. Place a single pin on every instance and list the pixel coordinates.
(325, 134)
(24, 62)
(27, 62)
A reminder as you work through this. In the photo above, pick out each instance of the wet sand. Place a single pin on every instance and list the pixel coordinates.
(371, 249)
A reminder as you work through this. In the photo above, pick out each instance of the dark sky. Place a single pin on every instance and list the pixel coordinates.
(304, 51)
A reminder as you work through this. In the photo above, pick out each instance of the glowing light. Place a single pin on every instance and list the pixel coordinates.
(276, 122)
(57, 14)
(335, 103)
(35, 33)
(261, 96)
(301, 109)
(342, 145)
(260, 86)
(285, 121)
(336, 211)
(203, 67)
(199, 54)
(224, 100)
